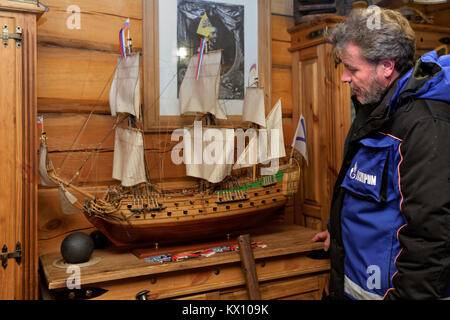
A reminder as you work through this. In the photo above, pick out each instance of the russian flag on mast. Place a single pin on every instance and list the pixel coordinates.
(123, 38)
(200, 58)
(40, 123)
(299, 142)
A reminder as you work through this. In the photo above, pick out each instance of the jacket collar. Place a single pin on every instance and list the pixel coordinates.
(429, 79)
(371, 117)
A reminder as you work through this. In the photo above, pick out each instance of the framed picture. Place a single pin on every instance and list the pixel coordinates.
(241, 29)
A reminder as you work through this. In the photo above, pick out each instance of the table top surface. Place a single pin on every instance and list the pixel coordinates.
(114, 263)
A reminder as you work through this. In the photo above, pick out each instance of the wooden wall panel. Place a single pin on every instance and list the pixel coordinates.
(281, 63)
(283, 7)
(280, 54)
(282, 20)
(280, 25)
(73, 132)
(99, 23)
(77, 77)
(53, 225)
(281, 88)
(98, 167)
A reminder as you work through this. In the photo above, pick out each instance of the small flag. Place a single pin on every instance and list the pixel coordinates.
(40, 123)
(299, 142)
(123, 51)
(123, 38)
(200, 58)
(126, 24)
(252, 75)
(205, 27)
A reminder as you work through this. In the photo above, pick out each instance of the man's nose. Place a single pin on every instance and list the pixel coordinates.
(346, 77)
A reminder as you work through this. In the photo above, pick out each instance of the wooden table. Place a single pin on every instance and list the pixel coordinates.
(284, 270)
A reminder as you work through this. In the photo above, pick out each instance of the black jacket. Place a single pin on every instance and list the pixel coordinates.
(420, 120)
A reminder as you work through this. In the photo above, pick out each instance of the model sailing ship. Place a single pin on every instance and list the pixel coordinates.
(229, 198)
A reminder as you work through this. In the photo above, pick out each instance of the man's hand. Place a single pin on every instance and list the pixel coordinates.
(323, 236)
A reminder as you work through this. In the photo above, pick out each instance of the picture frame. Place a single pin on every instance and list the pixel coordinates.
(153, 36)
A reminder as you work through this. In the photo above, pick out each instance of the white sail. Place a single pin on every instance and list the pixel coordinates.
(129, 161)
(253, 108)
(124, 95)
(250, 156)
(68, 201)
(209, 172)
(196, 152)
(267, 144)
(274, 126)
(43, 163)
(202, 95)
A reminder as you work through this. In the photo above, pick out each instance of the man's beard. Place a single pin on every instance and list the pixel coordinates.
(372, 96)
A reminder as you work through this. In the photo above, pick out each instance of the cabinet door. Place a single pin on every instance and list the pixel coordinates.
(18, 158)
(341, 115)
(325, 104)
(9, 175)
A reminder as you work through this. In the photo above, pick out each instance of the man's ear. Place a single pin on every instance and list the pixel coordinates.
(388, 66)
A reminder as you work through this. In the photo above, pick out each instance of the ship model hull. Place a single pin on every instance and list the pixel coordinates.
(141, 221)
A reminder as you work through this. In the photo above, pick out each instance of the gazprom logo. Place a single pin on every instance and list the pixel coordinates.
(362, 177)
(353, 171)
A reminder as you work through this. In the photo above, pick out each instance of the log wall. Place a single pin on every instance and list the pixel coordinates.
(76, 61)
(77, 53)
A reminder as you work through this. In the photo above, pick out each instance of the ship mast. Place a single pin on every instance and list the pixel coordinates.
(257, 127)
(254, 113)
(199, 95)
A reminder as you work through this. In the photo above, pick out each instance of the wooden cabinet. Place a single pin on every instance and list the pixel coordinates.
(285, 270)
(429, 37)
(325, 103)
(18, 150)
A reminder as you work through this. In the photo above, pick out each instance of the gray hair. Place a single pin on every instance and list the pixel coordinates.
(391, 37)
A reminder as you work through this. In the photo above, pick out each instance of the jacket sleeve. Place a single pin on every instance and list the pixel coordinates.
(424, 178)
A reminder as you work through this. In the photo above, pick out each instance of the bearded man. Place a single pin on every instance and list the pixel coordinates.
(389, 226)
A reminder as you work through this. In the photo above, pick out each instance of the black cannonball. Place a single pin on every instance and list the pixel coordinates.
(100, 240)
(77, 248)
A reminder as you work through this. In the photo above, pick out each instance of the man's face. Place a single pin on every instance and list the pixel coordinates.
(365, 79)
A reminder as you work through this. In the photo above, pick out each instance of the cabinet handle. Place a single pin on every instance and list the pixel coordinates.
(79, 294)
(142, 295)
(18, 36)
(445, 40)
(316, 33)
(319, 255)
